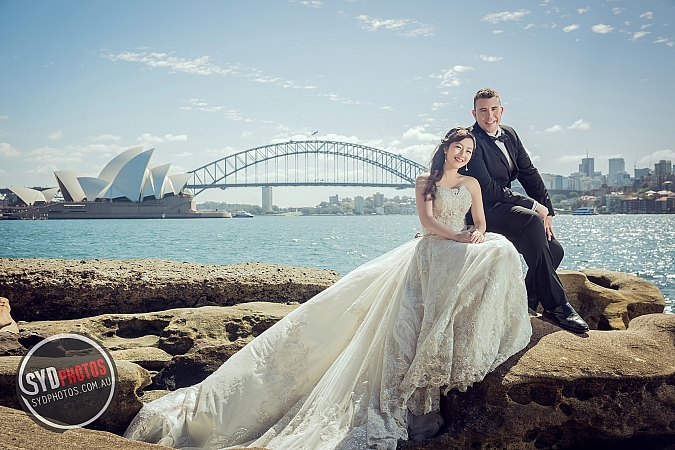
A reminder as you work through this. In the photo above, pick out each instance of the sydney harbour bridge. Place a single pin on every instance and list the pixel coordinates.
(307, 163)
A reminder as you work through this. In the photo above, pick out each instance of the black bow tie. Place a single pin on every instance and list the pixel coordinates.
(502, 137)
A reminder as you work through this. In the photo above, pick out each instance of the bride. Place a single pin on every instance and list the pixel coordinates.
(363, 364)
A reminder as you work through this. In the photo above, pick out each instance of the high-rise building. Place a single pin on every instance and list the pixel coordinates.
(333, 200)
(663, 168)
(267, 198)
(642, 173)
(587, 166)
(378, 200)
(358, 204)
(616, 165)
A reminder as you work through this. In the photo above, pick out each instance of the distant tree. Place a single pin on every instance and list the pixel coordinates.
(558, 198)
(572, 194)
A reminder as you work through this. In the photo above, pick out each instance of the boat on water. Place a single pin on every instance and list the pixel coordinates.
(585, 211)
(242, 214)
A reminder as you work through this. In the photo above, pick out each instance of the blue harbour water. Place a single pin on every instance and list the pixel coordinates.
(643, 245)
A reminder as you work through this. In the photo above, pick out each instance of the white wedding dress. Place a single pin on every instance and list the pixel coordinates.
(344, 370)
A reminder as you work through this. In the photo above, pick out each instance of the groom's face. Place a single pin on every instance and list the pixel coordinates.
(488, 114)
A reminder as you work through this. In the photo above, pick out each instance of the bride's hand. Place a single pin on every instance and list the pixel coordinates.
(477, 237)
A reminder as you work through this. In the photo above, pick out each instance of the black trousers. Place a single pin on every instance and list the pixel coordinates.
(525, 229)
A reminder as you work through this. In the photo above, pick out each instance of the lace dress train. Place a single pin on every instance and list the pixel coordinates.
(344, 370)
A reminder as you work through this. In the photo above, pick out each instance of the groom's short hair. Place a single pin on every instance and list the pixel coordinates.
(485, 93)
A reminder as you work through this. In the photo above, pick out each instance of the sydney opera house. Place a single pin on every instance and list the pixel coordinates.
(129, 186)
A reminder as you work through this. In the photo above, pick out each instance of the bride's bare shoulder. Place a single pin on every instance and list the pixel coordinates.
(422, 178)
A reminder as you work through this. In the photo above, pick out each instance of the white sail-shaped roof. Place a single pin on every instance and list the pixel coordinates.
(49, 194)
(27, 195)
(129, 179)
(148, 188)
(93, 187)
(70, 187)
(111, 169)
(179, 181)
(159, 180)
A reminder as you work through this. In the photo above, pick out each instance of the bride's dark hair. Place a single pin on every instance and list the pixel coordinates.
(438, 159)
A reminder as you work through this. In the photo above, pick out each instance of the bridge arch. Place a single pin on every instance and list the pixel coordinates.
(308, 163)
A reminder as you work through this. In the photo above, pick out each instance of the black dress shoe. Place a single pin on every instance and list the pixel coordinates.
(566, 317)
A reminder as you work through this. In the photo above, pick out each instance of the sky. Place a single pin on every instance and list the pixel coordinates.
(82, 81)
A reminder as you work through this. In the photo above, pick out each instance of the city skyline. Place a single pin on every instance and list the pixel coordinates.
(81, 82)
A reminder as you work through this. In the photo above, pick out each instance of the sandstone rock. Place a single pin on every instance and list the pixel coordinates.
(150, 358)
(174, 331)
(10, 345)
(609, 300)
(195, 366)
(566, 389)
(131, 378)
(49, 289)
(6, 322)
(20, 432)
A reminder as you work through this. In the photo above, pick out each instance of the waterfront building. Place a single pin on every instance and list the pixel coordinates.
(267, 198)
(333, 200)
(378, 200)
(358, 204)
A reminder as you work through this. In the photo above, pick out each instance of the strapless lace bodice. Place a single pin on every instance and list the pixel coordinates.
(450, 207)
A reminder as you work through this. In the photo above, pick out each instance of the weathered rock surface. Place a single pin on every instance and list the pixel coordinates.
(566, 390)
(609, 300)
(131, 378)
(19, 432)
(52, 289)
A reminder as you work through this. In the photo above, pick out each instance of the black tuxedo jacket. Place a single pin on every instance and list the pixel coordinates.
(489, 166)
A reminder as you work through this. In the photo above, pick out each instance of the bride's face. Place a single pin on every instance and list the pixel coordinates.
(458, 154)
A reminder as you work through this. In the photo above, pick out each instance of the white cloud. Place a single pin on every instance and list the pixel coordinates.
(55, 136)
(669, 42)
(196, 66)
(311, 3)
(554, 129)
(618, 10)
(183, 155)
(7, 151)
(71, 154)
(199, 66)
(437, 105)
(506, 15)
(655, 157)
(491, 59)
(497, 31)
(571, 158)
(171, 137)
(150, 139)
(418, 133)
(529, 25)
(647, 15)
(569, 28)
(601, 28)
(580, 125)
(645, 26)
(4, 117)
(586, 9)
(246, 134)
(220, 152)
(105, 137)
(639, 34)
(449, 77)
(388, 108)
(403, 27)
(42, 170)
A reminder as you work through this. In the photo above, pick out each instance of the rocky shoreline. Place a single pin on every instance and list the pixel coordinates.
(170, 325)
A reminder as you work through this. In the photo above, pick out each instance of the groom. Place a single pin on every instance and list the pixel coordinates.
(526, 221)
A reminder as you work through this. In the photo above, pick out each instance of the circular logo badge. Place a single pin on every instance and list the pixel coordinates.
(66, 381)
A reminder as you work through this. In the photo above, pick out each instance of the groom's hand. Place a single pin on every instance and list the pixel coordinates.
(548, 227)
